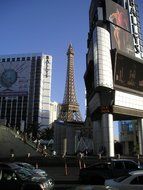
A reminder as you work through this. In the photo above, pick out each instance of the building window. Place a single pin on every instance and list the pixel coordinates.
(8, 59)
(28, 58)
(47, 58)
(13, 59)
(3, 60)
(38, 57)
(23, 58)
(18, 58)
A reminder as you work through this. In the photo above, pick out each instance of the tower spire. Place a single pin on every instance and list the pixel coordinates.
(70, 108)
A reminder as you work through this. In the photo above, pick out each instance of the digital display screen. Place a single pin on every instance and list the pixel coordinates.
(117, 15)
(121, 39)
(128, 73)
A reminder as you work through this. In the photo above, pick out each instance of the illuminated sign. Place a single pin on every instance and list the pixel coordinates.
(46, 66)
(121, 39)
(135, 26)
(117, 15)
(128, 73)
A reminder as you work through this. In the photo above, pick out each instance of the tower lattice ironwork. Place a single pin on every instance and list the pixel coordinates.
(70, 109)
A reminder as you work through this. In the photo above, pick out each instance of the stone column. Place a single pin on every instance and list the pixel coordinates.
(97, 136)
(126, 148)
(134, 136)
(108, 133)
(140, 134)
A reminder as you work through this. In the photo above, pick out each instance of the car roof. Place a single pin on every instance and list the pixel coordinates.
(136, 172)
(122, 159)
(115, 160)
(10, 165)
(110, 161)
(99, 163)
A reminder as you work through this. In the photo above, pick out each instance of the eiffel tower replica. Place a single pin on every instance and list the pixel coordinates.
(70, 109)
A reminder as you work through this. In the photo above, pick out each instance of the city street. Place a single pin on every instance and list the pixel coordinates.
(65, 172)
(70, 181)
(61, 179)
(65, 177)
(71, 95)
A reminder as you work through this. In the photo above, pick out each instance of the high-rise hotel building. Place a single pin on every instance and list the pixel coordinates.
(114, 70)
(25, 90)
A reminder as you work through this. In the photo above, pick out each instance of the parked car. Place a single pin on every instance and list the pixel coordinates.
(132, 181)
(89, 187)
(31, 167)
(13, 177)
(9, 165)
(97, 173)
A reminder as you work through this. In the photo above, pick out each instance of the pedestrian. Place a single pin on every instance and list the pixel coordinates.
(44, 150)
(81, 160)
(64, 156)
(12, 152)
(37, 145)
(102, 150)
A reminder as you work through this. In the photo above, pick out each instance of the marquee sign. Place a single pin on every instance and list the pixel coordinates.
(135, 26)
(128, 73)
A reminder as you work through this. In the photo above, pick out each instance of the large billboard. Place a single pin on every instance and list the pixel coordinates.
(14, 78)
(128, 73)
(121, 39)
(117, 15)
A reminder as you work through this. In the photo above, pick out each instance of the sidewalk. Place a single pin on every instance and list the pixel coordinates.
(11, 144)
(29, 142)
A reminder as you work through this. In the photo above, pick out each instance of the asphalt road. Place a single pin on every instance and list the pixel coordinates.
(81, 187)
(69, 181)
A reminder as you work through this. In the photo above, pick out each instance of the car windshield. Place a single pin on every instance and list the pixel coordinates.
(28, 166)
(25, 165)
(23, 174)
(119, 179)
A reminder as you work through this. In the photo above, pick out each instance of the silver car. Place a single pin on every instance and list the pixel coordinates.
(31, 167)
(132, 181)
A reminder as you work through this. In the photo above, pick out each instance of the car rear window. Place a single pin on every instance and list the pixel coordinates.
(130, 165)
(100, 166)
(118, 165)
(137, 180)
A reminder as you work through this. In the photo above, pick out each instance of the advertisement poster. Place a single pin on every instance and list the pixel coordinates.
(14, 78)
(117, 15)
(121, 40)
(128, 73)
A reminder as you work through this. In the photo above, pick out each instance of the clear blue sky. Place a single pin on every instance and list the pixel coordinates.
(140, 7)
(49, 26)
